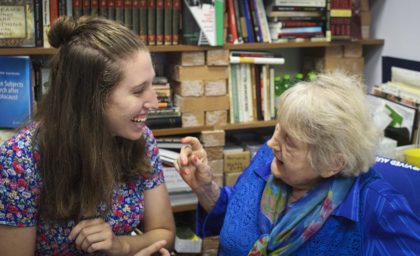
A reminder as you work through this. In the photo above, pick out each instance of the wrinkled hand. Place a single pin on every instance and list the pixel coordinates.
(192, 163)
(154, 248)
(96, 235)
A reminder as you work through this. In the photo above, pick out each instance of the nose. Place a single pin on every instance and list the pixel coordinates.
(151, 99)
(274, 141)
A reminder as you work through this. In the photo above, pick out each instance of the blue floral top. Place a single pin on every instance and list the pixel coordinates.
(20, 186)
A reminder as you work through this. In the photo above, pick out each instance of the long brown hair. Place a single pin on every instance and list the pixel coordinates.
(80, 161)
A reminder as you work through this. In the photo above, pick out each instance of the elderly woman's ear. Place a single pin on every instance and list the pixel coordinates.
(336, 167)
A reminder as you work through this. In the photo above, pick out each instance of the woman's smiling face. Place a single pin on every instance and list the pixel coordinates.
(129, 101)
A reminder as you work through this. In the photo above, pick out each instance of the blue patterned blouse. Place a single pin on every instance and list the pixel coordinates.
(20, 183)
(374, 219)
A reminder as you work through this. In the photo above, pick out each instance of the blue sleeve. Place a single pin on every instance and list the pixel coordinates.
(210, 224)
(394, 229)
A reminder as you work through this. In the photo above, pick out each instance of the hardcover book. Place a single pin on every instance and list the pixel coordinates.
(209, 17)
(17, 23)
(15, 91)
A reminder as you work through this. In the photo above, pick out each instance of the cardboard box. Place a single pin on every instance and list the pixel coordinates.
(235, 161)
(364, 5)
(189, 88)
(202, 103)
(353, 66)
(216, 117)
(334, 51)
(216, 167)
(183, 73)
(353, 51)
(212, 138)
(231, 178)
(215, 87)
(191, 58)
(192, 119)
(214, 153)
(218, 57)
(365, 18)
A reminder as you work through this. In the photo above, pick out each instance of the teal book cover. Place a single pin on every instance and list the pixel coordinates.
(15, 91)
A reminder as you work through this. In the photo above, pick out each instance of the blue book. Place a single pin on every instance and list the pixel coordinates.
(15, 91)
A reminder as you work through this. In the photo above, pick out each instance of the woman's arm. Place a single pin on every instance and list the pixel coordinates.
(17, 241)
(158, 221)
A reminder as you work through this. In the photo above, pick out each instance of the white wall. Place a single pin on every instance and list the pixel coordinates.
(398, 23)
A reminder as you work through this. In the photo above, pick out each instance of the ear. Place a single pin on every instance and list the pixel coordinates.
(338, 165)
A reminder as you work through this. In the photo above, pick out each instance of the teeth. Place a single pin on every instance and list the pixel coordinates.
(139, 120)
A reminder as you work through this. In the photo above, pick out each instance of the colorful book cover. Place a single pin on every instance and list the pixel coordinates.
(209, 17)
(17, 24)
(15, 91)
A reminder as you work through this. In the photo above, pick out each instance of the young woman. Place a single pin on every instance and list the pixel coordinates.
(85, 172)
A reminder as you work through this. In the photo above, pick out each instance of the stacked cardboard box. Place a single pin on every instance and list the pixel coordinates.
(365, 18)
(347, 58)
(200, 91)
(214, 141)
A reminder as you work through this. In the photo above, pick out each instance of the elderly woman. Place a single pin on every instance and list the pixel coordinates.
(310, 190)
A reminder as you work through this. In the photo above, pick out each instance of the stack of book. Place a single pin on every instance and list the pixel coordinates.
(340, 19)
(291, 20)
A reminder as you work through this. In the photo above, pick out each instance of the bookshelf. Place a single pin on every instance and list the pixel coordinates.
(194, 48)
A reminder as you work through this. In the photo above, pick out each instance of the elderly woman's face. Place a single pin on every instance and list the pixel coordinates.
(290, 162)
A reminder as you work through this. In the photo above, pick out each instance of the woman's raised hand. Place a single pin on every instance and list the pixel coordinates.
(192, 163)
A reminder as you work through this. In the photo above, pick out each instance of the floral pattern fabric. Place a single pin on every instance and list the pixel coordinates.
(20, 186)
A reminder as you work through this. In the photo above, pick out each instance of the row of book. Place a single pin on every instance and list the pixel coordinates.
(298, 20)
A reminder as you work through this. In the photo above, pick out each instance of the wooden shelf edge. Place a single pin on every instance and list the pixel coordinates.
(249, 125)
(184, 208)
(192, 48)
(180, 130)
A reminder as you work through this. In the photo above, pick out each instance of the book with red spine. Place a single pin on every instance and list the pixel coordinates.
(53, 11)
(77, 8)
(94, 7)
(128, 14)
(151, 22)
(119, 11)
(232, 30)
(85, 7)
(110, 4)
(176, 10)
(143, 21)
(103, 11)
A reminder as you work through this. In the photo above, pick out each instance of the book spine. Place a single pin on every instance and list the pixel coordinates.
(238, 19)
(297, 8)
(248, 21)
(167, 122)
(159, 22)
(119, 11)
(219, 9)
(128, 14)
(46, 21)
(110, 4)
(136, 18)
(94, 7)
(233, 33)
(143, 21)
(53, 11)
(39, 27)
(151, 22)
(62, 6)
(103, 11)
(257, 60)
(167, 28)
(176, 10)
(77, 8)
(85, 7)
(257, 34)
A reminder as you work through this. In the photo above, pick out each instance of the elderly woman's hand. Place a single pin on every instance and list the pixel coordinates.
(192, 163)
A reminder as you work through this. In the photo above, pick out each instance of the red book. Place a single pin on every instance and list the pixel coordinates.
(233, 33)
(128, 15)
(136, 21)
(53, 11)
(103, 8)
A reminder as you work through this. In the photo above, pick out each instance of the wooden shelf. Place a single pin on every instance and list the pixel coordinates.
(192, 48)
(180, 131)
(249, 125)
(184, 208)
(198, 129)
